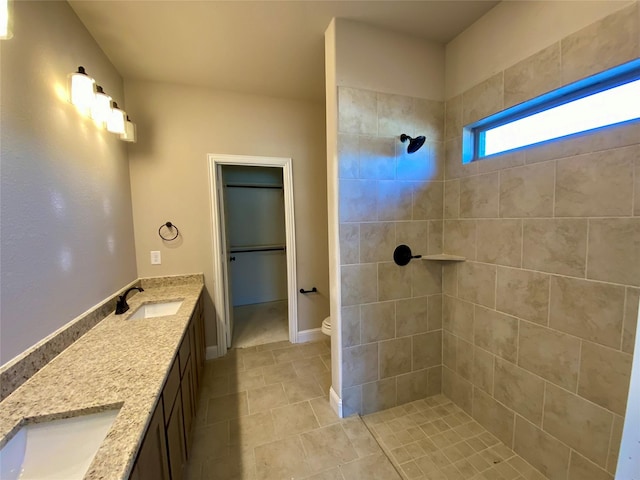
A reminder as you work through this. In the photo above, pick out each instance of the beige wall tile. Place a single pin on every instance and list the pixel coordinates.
(427, 350)
(377, 241)
(604, 376)
(394, 200)
(415, 234)
(479, 196)
(495, 417)
(348, 156)
(395, 357)
(614, 446)
(533, 76)
(519, 390)
(614, 244)
(428, 201)
(350, 326)
(453, 166)
(590, 310)
(394, 282)
(464, 359)
(352, 400)
(502, 161)
(483, 99)
(377, 158)
(582, 469)
(412, 386)
(578, 423)
(630, 320)
(426, 278)
(411, 316)
(457, 317)
(349, 243)
(500, 242)
(541, 450)
(595, 185)
(453, 117)
(452, 199)
(434, 315)
(378, 321)
(435, 240)
(427, 118)
(477, 283)
(460, 238)
(549, 354)
(357, 111)
(602, 45)
(523, 293)
(394, 115)
(587, 142)
(359, 364)
(418, 166)
(457, 389)
(450, 279)
(379, 395)
(434, 386)
(449, 349)
(358, 200)
(636, 188)
(555, 246)
(359, 284)
(496, 332)
(527, 191)
(482, 375)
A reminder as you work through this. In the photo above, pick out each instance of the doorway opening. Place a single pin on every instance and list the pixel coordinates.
(254, 250)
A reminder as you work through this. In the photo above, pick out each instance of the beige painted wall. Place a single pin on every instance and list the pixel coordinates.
(178, 126)
(512, 31)
(384, 61)
(67, 233)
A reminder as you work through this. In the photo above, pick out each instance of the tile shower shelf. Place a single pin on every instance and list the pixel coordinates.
(443, 257)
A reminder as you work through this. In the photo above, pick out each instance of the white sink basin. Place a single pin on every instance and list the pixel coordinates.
(58, 449)
(150, 310)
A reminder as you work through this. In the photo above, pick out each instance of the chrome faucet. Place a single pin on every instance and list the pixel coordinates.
(121, 305)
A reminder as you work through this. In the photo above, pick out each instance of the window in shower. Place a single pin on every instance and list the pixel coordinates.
(609, 98)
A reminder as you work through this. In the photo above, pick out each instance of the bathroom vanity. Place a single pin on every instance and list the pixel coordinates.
(146, 369)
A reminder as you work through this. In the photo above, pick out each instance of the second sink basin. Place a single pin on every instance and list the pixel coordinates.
(160, 309)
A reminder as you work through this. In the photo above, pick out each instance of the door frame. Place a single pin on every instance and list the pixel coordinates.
(220, 294)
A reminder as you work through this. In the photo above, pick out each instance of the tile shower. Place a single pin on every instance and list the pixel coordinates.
(532, 336)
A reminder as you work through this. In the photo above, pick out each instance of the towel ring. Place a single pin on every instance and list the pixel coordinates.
(171, 227)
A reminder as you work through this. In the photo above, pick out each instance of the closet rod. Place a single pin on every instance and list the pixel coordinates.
(262, 249)
(252, 185)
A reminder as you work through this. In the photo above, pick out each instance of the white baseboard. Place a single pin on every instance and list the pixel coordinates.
(212, 352)
(336, 402)
(311, 335)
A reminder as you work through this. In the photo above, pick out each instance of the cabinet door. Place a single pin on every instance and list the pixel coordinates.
(188, 406)
(152, 462)
(175, 440)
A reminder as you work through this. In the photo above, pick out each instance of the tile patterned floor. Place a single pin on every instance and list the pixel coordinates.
(260, 323)
(434, 439)
(264, 415)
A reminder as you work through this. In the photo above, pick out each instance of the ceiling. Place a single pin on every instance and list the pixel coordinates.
(273, 48)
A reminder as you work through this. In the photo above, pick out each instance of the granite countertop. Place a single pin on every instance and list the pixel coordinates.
(118, 363)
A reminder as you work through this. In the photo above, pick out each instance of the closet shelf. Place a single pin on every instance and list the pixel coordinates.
(253, 185)
(443, 257)
(257, 248)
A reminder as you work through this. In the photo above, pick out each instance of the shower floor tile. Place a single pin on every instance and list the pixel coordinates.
(433, 439)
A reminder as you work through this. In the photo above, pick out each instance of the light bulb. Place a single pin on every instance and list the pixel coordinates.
(101, 108)
(129, 134)
(115, 122)
(82, 90)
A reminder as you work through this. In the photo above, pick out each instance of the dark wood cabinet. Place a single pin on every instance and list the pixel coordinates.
(167, 442)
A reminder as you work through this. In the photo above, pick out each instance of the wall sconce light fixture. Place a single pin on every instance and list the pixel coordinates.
(91, 100)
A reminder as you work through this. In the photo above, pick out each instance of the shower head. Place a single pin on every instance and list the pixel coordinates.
(414, 143)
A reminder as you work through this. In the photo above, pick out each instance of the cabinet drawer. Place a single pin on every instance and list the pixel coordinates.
(171, 389)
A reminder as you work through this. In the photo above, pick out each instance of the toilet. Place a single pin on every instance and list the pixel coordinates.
(326, 326)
